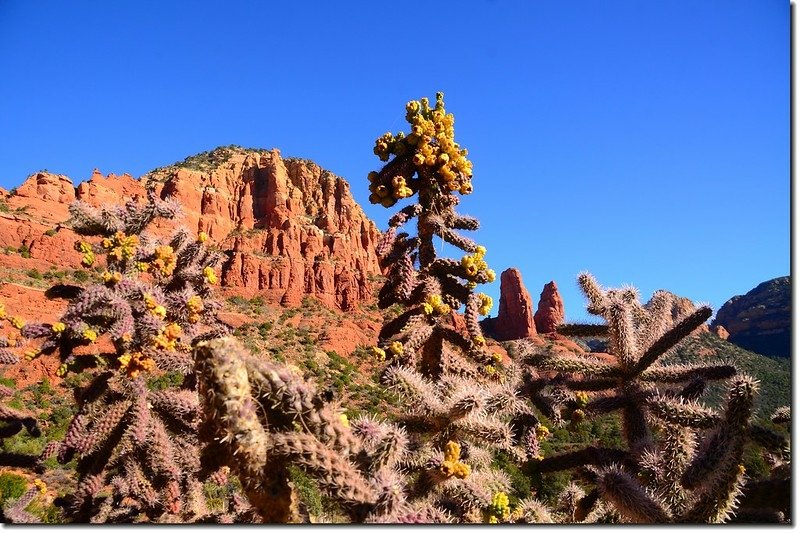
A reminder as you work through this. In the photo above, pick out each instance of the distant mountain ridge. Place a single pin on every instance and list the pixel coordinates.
(761, 320)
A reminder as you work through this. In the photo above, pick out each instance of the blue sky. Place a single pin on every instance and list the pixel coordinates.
(646, 142)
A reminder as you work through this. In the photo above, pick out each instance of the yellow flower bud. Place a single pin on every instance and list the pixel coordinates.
(202, 236)
(452, 451)
(396, 347)
(210, 275)
(542, 432)
(41, 485)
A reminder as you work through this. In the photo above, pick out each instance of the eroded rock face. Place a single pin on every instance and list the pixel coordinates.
(550, 313)
(681, 307)
(515, 315)
(720, 332)
(760, 320)
(289, 227)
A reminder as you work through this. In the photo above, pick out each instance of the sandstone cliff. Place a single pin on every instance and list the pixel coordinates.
(290, 228)
(760, 321)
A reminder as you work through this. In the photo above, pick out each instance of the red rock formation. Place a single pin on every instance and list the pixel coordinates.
(720, 332)
(515, 316)
(681, 307)
(290, 227)
(761, 320)
(550, 313)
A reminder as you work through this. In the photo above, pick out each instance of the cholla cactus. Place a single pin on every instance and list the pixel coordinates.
(429, 163)
(690, 469)
(137, 449)
(260, 417)
(14, 510)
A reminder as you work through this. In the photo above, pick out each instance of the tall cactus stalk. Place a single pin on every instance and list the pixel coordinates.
(690, 470)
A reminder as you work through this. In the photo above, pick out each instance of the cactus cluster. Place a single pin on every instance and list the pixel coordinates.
(147, 453)
(137, 449)
(683, 460)
(428, 164)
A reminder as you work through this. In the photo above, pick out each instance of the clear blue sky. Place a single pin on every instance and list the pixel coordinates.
(646, 142)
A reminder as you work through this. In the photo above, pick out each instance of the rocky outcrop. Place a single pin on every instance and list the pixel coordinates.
(760, 321)
(289, 227)
(550, 313)
(682, 307)
(720, 332)
(515, 315)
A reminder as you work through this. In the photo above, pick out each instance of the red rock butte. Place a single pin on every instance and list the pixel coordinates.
(289, 227)
(515, 314)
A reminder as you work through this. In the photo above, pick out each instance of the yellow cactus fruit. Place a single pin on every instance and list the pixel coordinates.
(17, 322)
(134, 363)
(485, 304)
(58, 327)
(461, 470)
(172, 331)
(427, 308)
(142, 266)
(210, 275)
(30, 355)
(582, 398)
(88, 259)
(447, 468)
(149, 301)
(542, 432)
(396, 348)
(344, 420)
(379, 353)
(452, 451)
(500, 508)
(90, 335)
(40, 485)
(165, 260)
(202, 237)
